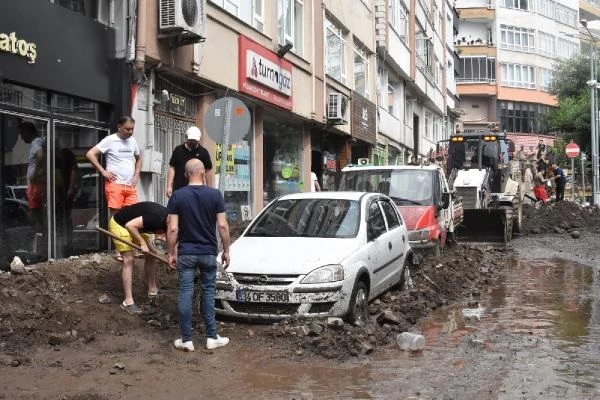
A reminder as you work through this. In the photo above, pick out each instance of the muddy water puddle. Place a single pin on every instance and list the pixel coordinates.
(536, 335)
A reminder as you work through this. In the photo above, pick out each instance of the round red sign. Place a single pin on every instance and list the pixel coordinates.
(572, 150)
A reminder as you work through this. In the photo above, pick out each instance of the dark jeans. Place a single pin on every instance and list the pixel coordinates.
(560, 192)
(186, 265)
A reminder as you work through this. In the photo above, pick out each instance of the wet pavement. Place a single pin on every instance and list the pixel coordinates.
(536, 335)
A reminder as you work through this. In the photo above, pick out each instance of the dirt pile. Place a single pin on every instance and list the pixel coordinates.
(461, 274)
(559, 217)
(70, 302)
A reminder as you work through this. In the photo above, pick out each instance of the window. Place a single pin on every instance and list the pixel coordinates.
(249, 11)
(390, 214)
(291, 24)
(428, 126)
(424, 55)
(477, 69)
(376, 223)
(547, 8)
(361, 71)
(335, 52)
(515, 38)
(391, 99)
(546, 45)
(566, 49)
(523, 117)
(546, 76)
(525, 5)
(517, 75)
(566, 15)
(398, 18)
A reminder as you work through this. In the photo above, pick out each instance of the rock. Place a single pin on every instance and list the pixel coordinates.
(15, 363)
(558, 230)
(55, 339)
(251, 332)
(17, 266)
(388, 317)
(335, 323)
(364, 347)
(119, 366)
(315, 329)
(303, 330)
(575, 235)
(104, 299)
(95, 259)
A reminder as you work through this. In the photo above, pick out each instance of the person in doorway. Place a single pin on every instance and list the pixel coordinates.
(194, 211)
(560, 181)
(135, 223)
(315, 187)
(176, 178)
(123, 165)
(36, 174)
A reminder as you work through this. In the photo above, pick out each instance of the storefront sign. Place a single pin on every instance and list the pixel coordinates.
(10, 43)
(264, 75)
(363, 119)
(230, 163)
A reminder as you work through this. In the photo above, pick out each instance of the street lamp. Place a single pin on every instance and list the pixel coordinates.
(592, 83)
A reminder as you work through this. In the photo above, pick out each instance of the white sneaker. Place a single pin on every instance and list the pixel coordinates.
(185, 346)
(218, 342)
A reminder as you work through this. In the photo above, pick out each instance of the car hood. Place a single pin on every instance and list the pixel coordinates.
(417, 217)
(287, 255)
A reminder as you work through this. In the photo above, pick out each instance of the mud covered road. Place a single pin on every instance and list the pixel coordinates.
(516, 324)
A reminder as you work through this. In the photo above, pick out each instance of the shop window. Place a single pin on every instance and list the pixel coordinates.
(77, 107)
(335, 51)
(290, 24)
(237, 183)
(20, 96)
(283, 162)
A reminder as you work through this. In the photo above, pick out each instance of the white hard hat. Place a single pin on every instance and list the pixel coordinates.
(193, 132)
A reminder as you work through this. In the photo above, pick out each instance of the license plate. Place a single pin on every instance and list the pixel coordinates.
(261, 297)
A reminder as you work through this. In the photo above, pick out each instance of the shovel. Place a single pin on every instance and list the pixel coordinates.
(135, 246)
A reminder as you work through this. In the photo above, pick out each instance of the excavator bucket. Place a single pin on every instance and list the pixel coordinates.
(486, 227)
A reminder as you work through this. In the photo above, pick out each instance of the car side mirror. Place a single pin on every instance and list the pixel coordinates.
(445, 200)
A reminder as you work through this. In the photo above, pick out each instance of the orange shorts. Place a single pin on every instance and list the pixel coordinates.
(119, 196)
(36, 192)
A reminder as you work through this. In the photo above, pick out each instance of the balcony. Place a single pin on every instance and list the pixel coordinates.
(475, 48)
(478, 13)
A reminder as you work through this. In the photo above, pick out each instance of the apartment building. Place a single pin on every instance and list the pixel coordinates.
(507, 51)
(415, 78)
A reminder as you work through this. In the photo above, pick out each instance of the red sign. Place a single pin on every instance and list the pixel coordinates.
(264, 74)
(572, 150)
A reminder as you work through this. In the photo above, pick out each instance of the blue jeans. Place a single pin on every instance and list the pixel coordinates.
(186, 265)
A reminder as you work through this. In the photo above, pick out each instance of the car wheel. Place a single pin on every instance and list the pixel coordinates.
(358, 309)
(404, 276)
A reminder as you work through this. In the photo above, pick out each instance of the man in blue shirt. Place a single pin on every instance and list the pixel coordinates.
(194, 211)
(560, 181)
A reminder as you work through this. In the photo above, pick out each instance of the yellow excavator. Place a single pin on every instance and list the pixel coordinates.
(478, 170)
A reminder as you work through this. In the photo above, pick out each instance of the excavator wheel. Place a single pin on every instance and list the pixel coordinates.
(518, 213)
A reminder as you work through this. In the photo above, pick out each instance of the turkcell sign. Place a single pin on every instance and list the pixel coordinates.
(268, 73)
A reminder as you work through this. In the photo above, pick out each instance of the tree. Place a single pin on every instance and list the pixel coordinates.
(572, 117)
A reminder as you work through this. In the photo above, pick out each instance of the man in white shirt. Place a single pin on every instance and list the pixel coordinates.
(314, 187)
(123, 165)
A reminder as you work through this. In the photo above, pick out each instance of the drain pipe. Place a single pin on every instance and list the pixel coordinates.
(140, 43)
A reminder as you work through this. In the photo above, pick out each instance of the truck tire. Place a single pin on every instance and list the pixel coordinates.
(518, 214)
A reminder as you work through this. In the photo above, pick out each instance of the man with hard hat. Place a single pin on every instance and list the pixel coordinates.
(182, 154)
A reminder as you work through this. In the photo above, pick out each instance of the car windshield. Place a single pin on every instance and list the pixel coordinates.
(410, 186)
(323, 218)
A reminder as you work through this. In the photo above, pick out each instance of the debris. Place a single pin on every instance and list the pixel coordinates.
(104, 299)
(17, 266)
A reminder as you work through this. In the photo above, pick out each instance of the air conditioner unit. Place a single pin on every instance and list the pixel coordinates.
(363, 161)
(183, 17)
(337, 105)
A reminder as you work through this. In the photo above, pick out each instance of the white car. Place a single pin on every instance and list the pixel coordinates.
(314, 255)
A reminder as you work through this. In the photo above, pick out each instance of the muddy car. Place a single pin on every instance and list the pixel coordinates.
(315, 254)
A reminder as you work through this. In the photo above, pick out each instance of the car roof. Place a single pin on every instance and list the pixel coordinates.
(326, 195)
(389, 167)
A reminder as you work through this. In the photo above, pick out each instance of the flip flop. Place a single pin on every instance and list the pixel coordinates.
(119, 258)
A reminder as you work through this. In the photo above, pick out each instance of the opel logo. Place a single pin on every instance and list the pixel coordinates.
(263, 279)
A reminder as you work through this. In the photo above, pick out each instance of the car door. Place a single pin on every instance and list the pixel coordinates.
(397, 236)
(380, 248)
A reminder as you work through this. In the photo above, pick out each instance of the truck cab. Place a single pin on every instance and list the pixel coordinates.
(421, 193)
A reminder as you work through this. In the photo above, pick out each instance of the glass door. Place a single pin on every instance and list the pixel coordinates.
(77, 193)
(24, 182)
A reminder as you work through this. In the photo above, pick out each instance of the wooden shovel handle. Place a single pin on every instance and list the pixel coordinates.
(135, 246)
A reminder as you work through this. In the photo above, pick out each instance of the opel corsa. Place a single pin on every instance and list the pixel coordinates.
(314, 255)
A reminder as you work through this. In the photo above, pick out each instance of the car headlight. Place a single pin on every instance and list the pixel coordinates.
(327, 273)
(420, 234)
(222, 275)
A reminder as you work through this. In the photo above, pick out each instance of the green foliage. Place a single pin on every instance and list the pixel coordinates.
(572, 117)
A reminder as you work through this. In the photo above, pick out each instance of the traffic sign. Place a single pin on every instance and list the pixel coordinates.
(572, 150)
